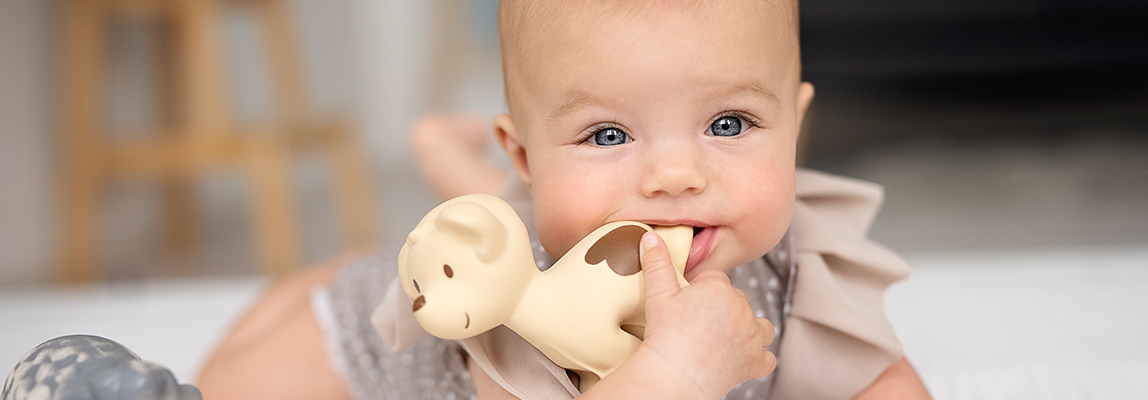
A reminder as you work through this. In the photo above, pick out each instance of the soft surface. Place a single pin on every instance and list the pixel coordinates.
(171, 323)
(1054, 324)
(1034, 324)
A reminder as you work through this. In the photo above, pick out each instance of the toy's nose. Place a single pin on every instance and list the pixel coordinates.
(419, 302)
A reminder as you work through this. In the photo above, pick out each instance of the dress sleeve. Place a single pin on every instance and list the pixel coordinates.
(837, 339)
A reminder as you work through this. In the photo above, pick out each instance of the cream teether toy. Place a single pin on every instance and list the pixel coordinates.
(468, 268)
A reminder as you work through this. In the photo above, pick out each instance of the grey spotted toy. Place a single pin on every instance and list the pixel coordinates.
(83, 367)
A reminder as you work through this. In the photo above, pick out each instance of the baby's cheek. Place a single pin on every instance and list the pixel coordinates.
(566, 210)
(558, 228)
(768, 218)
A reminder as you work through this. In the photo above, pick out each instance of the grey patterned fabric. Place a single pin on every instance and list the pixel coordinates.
(768, 283)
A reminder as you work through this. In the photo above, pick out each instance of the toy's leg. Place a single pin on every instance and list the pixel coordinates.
(618, 349)
(586, 379)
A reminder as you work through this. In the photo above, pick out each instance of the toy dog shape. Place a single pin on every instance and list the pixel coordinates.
(468, 267)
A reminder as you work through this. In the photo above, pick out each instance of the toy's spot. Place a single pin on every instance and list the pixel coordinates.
(416, 283)
(638, 331)
(467, 321)
(619, 249)
(419, 303)
(446, 270)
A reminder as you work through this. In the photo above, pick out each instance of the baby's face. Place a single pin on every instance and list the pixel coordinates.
(667, 117)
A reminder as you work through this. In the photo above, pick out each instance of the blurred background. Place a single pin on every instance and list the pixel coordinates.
(223, 130)
(995, 124)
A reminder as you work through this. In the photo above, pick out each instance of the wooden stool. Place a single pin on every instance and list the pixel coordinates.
(199, 135)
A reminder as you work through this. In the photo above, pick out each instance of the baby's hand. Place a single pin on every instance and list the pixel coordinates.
(704, 333)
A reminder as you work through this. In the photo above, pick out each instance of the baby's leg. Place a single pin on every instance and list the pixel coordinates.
(276, 350)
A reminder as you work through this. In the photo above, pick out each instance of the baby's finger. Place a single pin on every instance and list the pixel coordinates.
(768, 363)
(661, 281)
(767, 331)
(715, 276)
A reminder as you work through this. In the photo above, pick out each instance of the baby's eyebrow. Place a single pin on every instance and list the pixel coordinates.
(582, 100)
(753, 88)
(579, 101)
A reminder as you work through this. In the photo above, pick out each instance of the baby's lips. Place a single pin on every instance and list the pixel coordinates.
(700, 248)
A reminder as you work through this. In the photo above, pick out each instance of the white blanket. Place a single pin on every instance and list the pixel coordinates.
(1055, 324)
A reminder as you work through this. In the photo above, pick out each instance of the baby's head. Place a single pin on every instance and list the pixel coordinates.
(661, 111)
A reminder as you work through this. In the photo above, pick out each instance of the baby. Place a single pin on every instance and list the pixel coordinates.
(667, 112)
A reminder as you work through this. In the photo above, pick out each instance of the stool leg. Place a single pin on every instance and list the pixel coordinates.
(178, 189)
(81, 192)
(203, 83)
(352, 187)
(286, 74)
(273, 212)
(83, 47)
(179, 209)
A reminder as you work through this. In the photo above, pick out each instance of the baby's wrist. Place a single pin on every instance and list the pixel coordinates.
(669, 376)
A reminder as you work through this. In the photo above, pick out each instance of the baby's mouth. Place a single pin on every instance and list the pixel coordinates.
(701, 245)
(689, 247)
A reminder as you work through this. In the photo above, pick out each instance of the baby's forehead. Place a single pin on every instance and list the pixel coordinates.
(518, 11)
(529, 30)
(518, 19)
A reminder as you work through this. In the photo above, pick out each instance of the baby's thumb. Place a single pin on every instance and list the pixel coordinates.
(660, 277)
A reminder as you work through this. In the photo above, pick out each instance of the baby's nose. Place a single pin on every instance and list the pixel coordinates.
(673, 175)
(419, 303)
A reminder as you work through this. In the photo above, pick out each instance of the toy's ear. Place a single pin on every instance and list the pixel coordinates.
(619, 249)
(418, 233)
(476, 224)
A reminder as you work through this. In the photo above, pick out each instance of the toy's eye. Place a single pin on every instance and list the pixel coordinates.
(446, 270)
(416, 285)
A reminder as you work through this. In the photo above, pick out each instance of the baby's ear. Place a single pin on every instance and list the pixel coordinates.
(509, 138)
(476, 224)
(804, 98)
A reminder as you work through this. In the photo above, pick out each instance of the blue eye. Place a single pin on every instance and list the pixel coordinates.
(610, 137)
(727, 126)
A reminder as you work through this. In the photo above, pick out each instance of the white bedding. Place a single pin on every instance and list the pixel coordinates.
(1056, 324)
(174, 323)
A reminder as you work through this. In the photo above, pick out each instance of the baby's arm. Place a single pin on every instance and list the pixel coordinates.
(685, 354)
